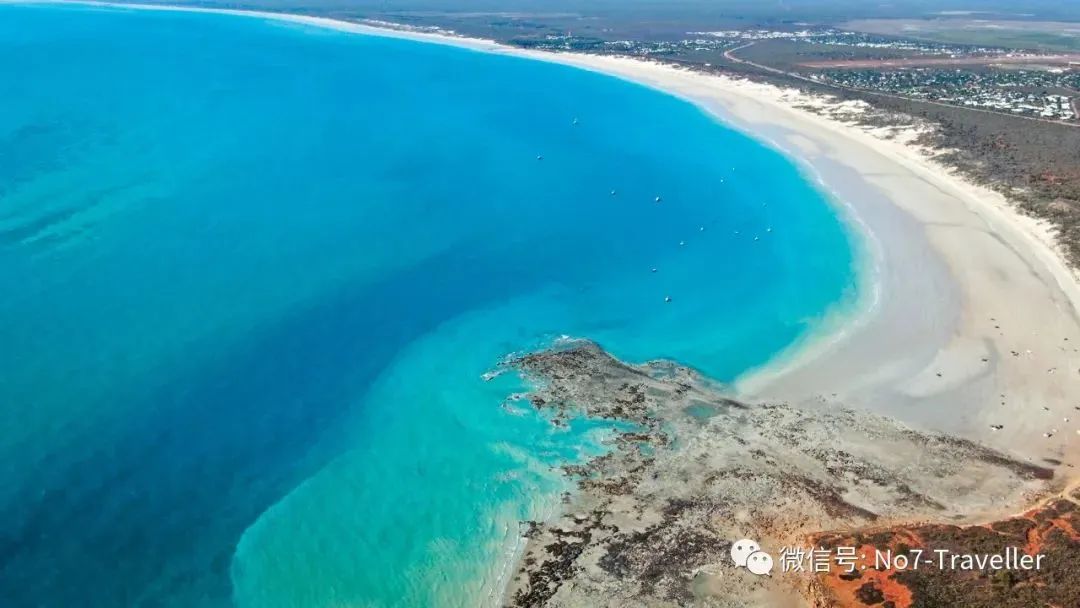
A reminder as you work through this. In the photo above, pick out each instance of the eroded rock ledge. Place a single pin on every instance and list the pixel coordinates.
(653, 520)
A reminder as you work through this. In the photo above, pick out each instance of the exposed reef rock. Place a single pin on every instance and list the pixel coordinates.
(653, 519)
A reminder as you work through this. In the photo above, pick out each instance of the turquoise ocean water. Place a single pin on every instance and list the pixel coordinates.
(251, 274)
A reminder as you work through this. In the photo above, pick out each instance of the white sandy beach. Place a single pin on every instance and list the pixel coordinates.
(971, 318)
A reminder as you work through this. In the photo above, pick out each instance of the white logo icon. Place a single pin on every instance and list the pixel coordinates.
(759, 562)
(741, 549)
(748, 553)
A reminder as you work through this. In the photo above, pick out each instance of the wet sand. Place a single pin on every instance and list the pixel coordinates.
(970, 316)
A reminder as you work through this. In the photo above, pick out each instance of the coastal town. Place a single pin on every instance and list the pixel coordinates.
(1049, 94)
(995, 79)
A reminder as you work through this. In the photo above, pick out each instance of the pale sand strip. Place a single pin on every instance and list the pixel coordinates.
(960, 275)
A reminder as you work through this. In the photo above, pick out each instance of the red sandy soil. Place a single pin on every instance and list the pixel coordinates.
(1051, 529)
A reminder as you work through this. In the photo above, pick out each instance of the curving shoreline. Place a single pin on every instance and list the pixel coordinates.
(972, 305)
(964, 281)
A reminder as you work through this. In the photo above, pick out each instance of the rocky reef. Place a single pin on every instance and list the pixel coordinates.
(691, 470)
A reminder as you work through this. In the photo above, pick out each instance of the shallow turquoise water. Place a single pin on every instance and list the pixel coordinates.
(252, 272)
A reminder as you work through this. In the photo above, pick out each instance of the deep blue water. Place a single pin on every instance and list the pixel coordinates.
(251, 274)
